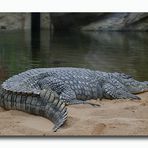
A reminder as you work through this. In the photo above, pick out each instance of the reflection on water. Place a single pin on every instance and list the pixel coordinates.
(35, 45)
(106, 51)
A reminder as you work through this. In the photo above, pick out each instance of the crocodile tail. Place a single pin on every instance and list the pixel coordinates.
(50, 107)
(55, 109)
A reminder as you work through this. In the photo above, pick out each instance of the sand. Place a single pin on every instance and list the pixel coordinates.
(113, 118)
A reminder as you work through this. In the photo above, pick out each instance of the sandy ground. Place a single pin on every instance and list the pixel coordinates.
(114, 117)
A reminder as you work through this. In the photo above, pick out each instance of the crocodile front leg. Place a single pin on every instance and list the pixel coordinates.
(112, 92)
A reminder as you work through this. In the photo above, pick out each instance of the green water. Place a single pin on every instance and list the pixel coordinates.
(106, 51)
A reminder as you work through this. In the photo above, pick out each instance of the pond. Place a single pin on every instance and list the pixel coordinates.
(125, 52)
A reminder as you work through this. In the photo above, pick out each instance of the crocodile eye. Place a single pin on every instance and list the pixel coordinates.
(126, 76)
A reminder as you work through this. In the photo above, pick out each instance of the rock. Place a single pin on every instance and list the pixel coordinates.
(100, 21)
(77, 21)
(14, 21)
(73, 21)
(120, 21)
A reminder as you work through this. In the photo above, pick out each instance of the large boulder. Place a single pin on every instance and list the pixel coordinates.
(73, 21)
(100, 21)
(120, 21)
(15, 21)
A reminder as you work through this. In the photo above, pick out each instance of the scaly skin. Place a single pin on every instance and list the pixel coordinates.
(47, 104)
(72, 85)
(16, 94)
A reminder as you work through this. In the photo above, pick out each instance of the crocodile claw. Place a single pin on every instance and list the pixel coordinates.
(135, 98)
(94, 105)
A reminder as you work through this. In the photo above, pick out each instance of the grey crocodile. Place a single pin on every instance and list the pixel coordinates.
(45, 91)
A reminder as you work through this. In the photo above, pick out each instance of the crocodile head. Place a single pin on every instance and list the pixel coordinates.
(122, 75)
(146, 82)
(135, 86)
(130, 83)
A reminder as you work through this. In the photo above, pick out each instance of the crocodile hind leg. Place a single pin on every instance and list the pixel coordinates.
(69, 97)
(112, 92)
(65, 93)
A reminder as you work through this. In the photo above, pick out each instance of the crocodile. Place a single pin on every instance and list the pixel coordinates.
(47, 91)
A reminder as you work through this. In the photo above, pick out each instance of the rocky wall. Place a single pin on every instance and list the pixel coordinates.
(15, 21)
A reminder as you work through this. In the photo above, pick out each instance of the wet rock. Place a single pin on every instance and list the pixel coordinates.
(120, 21)
(100, 21)
(14, 21)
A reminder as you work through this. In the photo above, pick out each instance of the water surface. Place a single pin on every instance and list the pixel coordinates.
(106, 51)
